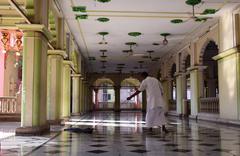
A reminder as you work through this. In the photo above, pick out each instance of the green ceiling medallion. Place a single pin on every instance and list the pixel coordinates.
(209, 11)
(81, 17)
(176, 21)
(131, 43)
(103, 1)
(165, 34)
(193, 2)
(156, 44)
(134, 34)
(198, 19)
(79, 8)
(103, 33)
(103, 50)
(103, 19)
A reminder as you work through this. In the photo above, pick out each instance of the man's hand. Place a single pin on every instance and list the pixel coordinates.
(129, 98)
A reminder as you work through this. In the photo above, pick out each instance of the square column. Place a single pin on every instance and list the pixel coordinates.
(76, 94)
(180, 94)
(54, 87)
(229, 83)
(81, 95)
(196, 84)
(66, 89)
(117, 98)
(34, 80)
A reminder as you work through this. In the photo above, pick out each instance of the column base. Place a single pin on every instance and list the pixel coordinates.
(76, 114)
(195, 117)
(55, 122)
(35, 130)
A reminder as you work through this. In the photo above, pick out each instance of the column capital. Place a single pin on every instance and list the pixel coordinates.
(200, 68)
(61, 53)
(36, 28)
(178, 74)
(76, 75)
(227, 53)
(69, 63)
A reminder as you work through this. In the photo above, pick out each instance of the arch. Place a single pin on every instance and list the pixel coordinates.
(203, 49)
(130, 82)
(186, 57)
(101, 81)
(173, 70)
(186, 63)
(171, 62)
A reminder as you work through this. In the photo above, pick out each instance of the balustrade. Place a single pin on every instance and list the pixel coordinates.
(209, 105)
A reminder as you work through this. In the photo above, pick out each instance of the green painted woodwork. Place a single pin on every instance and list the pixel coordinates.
(79, 8)
(103, 33)
(209, 11)
(198, 19)
(80, 17)
(103, 19)
(103, 1)
(130, 43)
(134, 34)
(156, 44)
(176, 21)
(165, 34)
(193, 2)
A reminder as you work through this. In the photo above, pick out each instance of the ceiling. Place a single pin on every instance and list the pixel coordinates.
(149, 17)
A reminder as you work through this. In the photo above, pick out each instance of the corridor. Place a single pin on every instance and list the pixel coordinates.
(122, 135)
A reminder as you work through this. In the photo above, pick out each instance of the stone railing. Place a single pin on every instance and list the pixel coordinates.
(9, 105)
(172, 105)
(209, 105)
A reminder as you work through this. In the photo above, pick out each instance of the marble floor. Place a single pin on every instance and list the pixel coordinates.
(122, 135)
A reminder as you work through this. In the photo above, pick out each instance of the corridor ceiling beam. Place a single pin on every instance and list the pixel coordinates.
(19, 10)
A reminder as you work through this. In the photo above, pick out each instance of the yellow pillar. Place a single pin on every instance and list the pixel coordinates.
(34, 86)
(76, 94)
(66, 89)
(54, 91)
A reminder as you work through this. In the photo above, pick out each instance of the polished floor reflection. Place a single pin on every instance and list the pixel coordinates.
(121, 135)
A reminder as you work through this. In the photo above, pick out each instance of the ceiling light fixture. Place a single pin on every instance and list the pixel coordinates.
(130, 44)
(103, 34)
(165, 41)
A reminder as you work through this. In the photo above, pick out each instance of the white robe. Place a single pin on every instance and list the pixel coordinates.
(155, 102)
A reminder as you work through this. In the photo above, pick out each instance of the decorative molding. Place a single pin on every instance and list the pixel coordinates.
(196, 68)
(227, 53)
(58, 52)
(36, 27)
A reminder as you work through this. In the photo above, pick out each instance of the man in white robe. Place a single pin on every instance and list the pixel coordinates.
(155, 103)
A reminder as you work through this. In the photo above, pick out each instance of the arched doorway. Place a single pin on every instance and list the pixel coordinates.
(128, 87)
(173, 97)
(103, 94)
(209, 101)
(11, 73)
